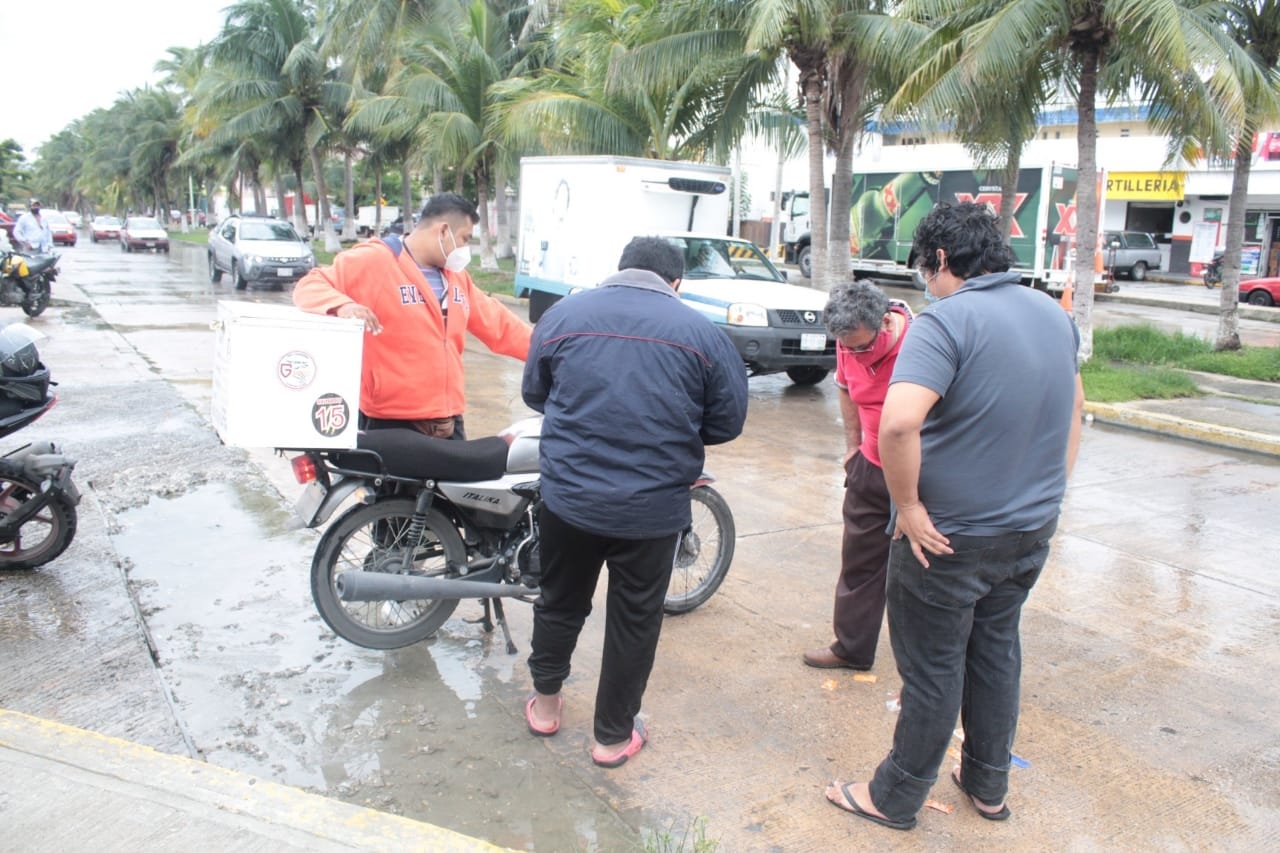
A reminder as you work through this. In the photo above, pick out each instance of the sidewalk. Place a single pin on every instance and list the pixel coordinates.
(69, 789)
(1234, 413)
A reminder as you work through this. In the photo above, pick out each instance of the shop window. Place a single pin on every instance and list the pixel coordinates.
(1154, 219)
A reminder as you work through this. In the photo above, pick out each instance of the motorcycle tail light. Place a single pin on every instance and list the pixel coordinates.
(304, 469)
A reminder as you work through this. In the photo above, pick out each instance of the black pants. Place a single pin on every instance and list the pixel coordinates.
(367, 423)
(639, 572)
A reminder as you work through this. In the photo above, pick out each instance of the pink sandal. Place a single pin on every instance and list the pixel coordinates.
(545, 730)
(639, 737)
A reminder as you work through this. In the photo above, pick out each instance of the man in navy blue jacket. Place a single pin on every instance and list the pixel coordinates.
(633, 384)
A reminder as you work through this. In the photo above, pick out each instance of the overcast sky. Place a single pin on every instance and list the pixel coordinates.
(69, 57)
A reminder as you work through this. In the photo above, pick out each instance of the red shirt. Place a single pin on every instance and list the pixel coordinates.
(867, 386)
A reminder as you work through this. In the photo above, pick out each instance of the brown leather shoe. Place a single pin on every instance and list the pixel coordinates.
(825, 658)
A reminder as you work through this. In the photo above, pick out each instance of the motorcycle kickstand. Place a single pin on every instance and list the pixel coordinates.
(502, 620)
(485, 620)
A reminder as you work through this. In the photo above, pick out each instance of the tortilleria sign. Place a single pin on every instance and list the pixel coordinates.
(1146, 186)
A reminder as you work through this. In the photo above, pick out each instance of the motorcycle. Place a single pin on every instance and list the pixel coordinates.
(1213, 271)
(436, 521)
(27, 280)
(38, 498)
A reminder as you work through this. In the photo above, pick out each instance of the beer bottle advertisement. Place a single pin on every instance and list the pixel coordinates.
(886, 210)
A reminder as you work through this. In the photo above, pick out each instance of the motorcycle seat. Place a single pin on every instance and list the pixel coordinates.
(409, 453)
(37, 264)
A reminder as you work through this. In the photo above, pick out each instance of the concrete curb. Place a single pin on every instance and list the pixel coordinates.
(1247, 312)
(66, 783)
(1219, 436)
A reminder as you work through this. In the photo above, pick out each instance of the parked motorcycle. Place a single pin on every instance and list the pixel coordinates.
(27, 280)
(436, 521)
(1213, 272)
(37, 496)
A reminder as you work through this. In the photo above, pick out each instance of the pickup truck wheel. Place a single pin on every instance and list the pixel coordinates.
(215, 274)
(807, 375)
(241, 282)
(1260, 297)
(1138, 272)
(805, 261)
(539, 302)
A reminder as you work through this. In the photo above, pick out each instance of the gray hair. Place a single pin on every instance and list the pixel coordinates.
(853, 305)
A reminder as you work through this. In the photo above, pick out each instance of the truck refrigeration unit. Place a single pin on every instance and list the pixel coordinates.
(578, 213)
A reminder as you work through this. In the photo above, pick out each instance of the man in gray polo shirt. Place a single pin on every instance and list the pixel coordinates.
(980, 431)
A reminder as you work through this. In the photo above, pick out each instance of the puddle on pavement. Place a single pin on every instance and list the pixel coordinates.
(433, 732)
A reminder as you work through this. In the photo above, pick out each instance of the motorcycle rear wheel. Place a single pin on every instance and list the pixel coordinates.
(703, 553)
(45, 535)
(373, 538)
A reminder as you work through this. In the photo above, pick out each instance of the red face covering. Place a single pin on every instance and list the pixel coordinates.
(879, 349)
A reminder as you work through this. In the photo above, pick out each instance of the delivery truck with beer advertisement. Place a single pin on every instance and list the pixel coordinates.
(578, 213)
(888, 206)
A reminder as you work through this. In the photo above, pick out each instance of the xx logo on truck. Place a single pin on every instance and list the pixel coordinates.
(330, 414)
(296, 369)
(992, 200)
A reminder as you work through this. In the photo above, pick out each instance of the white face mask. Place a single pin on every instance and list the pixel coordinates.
(459, 258)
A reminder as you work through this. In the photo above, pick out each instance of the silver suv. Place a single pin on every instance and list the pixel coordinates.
(258, 249)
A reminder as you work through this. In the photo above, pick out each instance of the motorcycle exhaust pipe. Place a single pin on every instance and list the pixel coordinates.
(380, 586)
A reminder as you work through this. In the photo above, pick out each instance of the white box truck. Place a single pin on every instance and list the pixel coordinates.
(578, 213)
(285, 378)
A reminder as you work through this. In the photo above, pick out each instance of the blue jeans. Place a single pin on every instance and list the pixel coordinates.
(954, 629)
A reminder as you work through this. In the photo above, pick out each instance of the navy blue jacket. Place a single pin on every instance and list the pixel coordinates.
(633, 383)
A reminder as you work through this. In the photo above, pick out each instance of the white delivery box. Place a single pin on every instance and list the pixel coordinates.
(285, 378)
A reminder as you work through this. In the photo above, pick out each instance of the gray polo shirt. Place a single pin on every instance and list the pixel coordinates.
(1002, 357)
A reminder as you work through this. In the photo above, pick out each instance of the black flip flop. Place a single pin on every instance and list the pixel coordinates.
(1004, 812)
(850, 805)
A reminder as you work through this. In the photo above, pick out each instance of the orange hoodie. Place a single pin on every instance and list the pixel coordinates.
(413, 369)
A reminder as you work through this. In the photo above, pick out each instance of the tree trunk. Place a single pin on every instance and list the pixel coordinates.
(1009, 191)
(1086, 201)
(331, 242)
(406, 197)
(437, 181)
(377, 203)
(1229, 305)
(349, 199)
(488, 262)
(502, 241)
(849, 87)
(811, 83)
(300, 198)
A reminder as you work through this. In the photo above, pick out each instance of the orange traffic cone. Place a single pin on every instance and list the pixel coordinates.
(1065, 299)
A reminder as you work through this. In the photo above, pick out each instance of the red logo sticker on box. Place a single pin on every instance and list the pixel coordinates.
(330, 414)
(296, 369)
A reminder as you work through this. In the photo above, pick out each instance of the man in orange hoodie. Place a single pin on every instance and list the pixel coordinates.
(417, 303)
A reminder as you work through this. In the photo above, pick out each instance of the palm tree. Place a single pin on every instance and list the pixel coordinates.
(1254, 26)
(445, 92)
(269, 81)
(1112, 48)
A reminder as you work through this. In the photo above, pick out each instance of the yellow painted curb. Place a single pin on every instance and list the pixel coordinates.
(206, 790)
(1220, 436)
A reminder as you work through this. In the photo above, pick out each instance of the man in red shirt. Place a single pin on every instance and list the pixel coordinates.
(868, 328)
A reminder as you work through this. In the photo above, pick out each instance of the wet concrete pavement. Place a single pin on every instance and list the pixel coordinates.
(1147, 719)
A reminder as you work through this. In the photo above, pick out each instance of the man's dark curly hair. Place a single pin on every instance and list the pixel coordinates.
(970, 235)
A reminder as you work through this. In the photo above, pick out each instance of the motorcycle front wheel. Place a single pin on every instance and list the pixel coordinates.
(37, 299)
(375, 538)
(703, 553)
(42, 537)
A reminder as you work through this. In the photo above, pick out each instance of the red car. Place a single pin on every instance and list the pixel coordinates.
(64, 233)
(104, 228)
(1260, 291)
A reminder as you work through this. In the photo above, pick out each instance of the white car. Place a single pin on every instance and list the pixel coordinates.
(73, 217)
(258, 249)
(775, 326)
